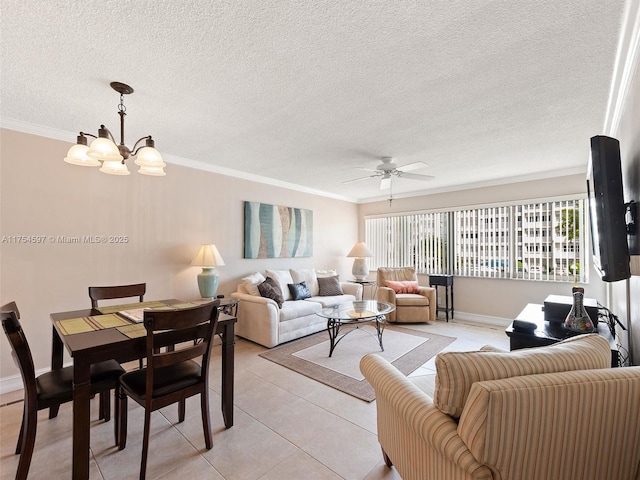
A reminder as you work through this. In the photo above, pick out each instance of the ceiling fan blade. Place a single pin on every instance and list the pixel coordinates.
(385, 183)
(360, 178)
(412, 166)
(415, 176)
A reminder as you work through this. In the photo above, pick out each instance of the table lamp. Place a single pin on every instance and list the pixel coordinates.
(360, 268)
(208, 258)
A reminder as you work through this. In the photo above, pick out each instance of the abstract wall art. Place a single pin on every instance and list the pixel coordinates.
(273, 231)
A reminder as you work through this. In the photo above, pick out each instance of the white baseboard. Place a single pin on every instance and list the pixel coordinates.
(10, 384)
(14, 382)
(483, 319)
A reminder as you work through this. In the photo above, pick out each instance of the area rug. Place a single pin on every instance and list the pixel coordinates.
(405, 348)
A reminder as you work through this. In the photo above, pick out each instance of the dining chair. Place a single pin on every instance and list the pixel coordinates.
(50, 389)
(173, 375)
(117, 291)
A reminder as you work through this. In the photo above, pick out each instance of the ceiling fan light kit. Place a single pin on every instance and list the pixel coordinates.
(104, 151)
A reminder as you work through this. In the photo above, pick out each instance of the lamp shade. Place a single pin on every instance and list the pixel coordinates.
(114, 167)
(360, 250)
(77, 155)
(150, 162)
(104, 150)
(207, 256)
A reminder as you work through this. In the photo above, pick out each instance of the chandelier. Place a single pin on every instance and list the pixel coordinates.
(104, 151)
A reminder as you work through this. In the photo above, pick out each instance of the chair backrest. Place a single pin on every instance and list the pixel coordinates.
(396, 274)
(20, 350)
(116, 291)
(192, 327)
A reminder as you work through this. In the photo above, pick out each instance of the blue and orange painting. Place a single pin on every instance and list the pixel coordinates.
(272, 231)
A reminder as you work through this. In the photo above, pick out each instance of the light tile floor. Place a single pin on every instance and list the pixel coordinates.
(287, 426)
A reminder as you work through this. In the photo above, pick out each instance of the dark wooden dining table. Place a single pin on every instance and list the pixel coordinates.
(95, 346)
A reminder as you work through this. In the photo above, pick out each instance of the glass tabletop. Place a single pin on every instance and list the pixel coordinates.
(358, 310)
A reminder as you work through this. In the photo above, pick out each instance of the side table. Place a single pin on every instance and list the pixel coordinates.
(445, 281)
(548, 333)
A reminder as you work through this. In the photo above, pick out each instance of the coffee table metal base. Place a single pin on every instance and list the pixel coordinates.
(334, 324)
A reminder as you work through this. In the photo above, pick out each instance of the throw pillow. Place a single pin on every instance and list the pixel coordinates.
(329, 286)
(407, 286)
(299, 291)
(456, 372)
(270, 289)
(251, 283)
(283, 277)
(307, 276)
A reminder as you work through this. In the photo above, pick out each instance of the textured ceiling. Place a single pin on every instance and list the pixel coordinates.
(308, 92)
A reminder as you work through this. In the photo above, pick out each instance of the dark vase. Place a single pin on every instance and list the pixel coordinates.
(578, 319)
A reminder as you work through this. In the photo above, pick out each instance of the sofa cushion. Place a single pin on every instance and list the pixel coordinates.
(251, 282)
(329, 286)
(283, 277)
(411, 300)
(299, 291)
(332, 300)
(307, 276)
(406, 286)
(292, 309)
(270, 289)
(457, 371)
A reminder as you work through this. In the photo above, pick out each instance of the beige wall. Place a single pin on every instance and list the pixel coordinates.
(495, 298)
(165, 220)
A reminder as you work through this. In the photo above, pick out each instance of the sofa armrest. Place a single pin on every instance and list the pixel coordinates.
(430, 293)
(258, 319)
(386, 294)
(354, 289)
(247, 297)
(409, 424)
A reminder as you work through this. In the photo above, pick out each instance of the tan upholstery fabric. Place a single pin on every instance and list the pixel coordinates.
(421, 441)
(457, 371)
(569, 425)
(410, 307)
(581, 424)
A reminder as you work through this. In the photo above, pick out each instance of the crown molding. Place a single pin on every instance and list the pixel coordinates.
(41, 131)
(625, 65)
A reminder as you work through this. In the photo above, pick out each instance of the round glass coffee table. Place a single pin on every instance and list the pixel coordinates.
(353, 314)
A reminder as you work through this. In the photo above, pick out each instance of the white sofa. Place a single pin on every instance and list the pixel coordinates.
(262, 321)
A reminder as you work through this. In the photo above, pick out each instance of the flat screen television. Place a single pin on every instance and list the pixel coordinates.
(607, 210)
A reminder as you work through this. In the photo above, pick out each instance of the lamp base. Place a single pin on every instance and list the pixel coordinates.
(360, 269)
(208, 282)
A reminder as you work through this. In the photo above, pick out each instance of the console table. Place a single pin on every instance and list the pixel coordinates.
(445, 281)
(548, 333)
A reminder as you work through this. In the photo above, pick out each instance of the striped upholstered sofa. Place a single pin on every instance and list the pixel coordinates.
(557, 412)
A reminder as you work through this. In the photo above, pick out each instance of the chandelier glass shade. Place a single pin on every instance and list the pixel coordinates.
(111, 158)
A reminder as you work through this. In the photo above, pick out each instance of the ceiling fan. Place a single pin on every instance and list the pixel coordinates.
(388, 169)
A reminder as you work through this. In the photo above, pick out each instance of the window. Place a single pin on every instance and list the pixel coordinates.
(418, 240)
(533, 241)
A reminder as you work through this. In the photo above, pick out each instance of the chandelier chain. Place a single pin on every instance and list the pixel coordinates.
(122, 108)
